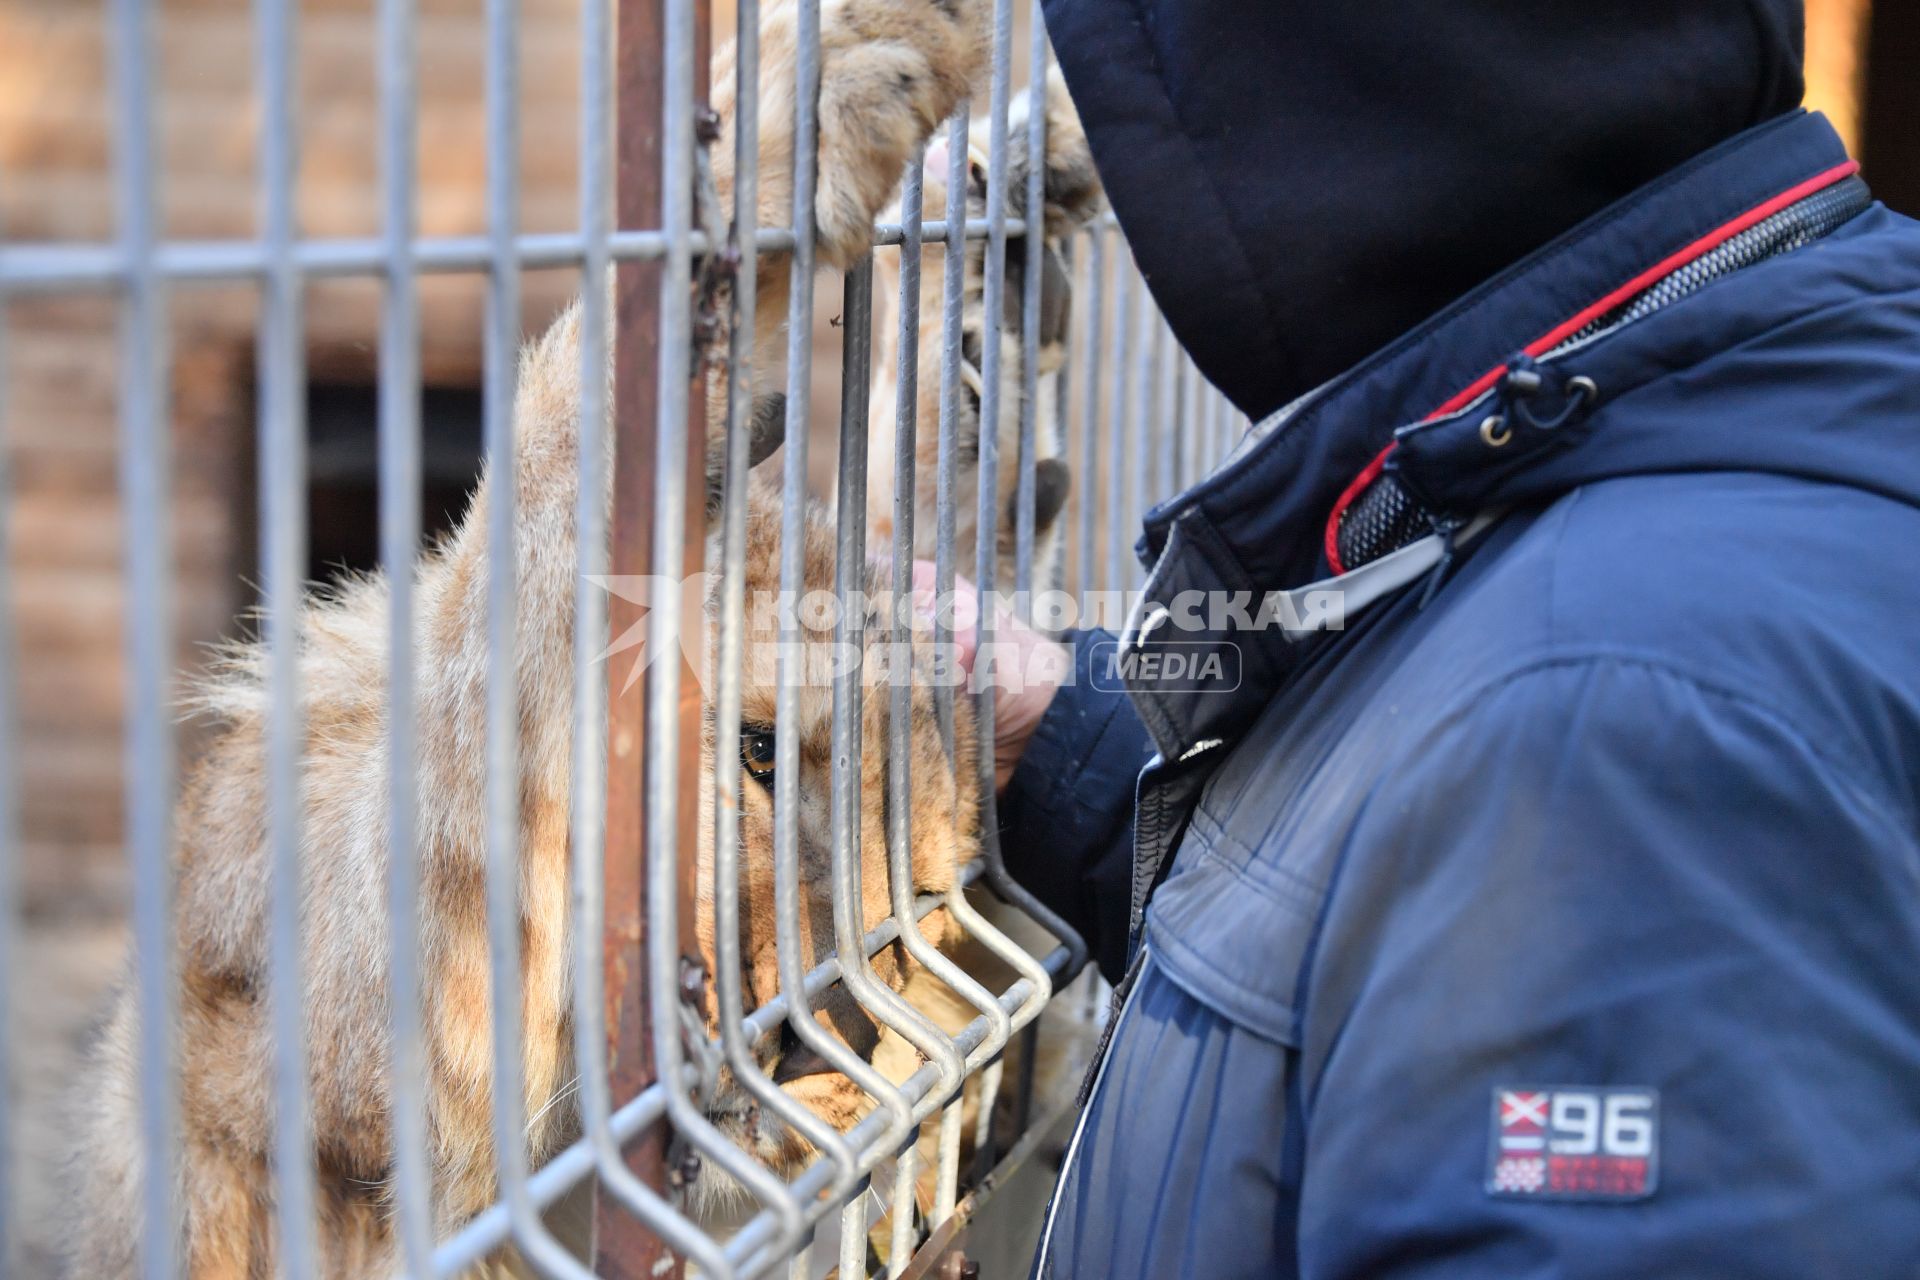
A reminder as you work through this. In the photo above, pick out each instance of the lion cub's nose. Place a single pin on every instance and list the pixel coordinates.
(797, 1059)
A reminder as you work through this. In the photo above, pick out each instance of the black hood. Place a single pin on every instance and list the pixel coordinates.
(1303, 181)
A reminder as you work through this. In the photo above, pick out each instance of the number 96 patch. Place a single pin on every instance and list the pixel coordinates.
(1574, 1142)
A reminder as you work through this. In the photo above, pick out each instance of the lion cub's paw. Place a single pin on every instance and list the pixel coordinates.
(892, 71)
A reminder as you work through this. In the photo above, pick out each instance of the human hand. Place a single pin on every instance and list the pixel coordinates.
(1026, 668)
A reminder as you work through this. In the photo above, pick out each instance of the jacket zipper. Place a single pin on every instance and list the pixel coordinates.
(1103, 1054)
(1387, 516)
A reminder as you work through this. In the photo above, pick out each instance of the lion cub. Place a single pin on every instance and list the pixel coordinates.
(891, 71)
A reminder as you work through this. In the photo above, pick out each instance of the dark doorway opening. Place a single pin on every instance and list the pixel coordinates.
(343, 472)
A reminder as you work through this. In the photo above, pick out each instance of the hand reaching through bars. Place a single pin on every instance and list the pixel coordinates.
(1026, 668)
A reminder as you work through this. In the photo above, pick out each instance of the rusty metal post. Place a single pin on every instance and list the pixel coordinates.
(623, 1248)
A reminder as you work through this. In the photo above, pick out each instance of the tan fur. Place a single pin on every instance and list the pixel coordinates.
(892, 69)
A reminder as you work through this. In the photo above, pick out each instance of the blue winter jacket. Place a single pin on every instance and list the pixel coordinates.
(1559, 915)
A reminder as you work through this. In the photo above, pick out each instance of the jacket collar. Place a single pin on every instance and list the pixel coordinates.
(1268, 505)
(1257, 524)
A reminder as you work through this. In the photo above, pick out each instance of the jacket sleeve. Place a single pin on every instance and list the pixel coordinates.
(1066, 818)
(1607, 879)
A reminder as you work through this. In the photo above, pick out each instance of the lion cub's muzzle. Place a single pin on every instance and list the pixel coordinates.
(797, 1059)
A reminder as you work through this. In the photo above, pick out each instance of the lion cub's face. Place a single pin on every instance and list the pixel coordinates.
(945, 834)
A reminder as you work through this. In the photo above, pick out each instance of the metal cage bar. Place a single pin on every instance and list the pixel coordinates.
(144, 487)
(900, 691)
(10, 850)
(283, 521)
(850, 585)
(1165, 424)
(671, 721)
(490, 1229)
(622, 1244)
(1090, 321)
(400, 466)
(1119, 509)
(31, 270)
(502, 690)
(946, 458)
(1033, 203)
(987, 513)
(1033, 246)
(848, 1158)
(735, 1044)
(1128, 406)
(1142, 404)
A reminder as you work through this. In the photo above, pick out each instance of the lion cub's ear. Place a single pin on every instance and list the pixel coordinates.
(1052, 482)
(766, 431)
(1071, 194)
(1071, 185)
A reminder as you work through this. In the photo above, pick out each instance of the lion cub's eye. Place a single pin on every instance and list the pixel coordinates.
(756, 754)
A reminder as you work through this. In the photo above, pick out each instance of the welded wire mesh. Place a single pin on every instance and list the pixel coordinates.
(1128, 411)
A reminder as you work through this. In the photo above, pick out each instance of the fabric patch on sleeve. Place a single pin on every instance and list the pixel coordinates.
(1573, 1142)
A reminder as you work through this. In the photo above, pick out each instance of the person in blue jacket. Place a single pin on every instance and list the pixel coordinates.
(1546, 900)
